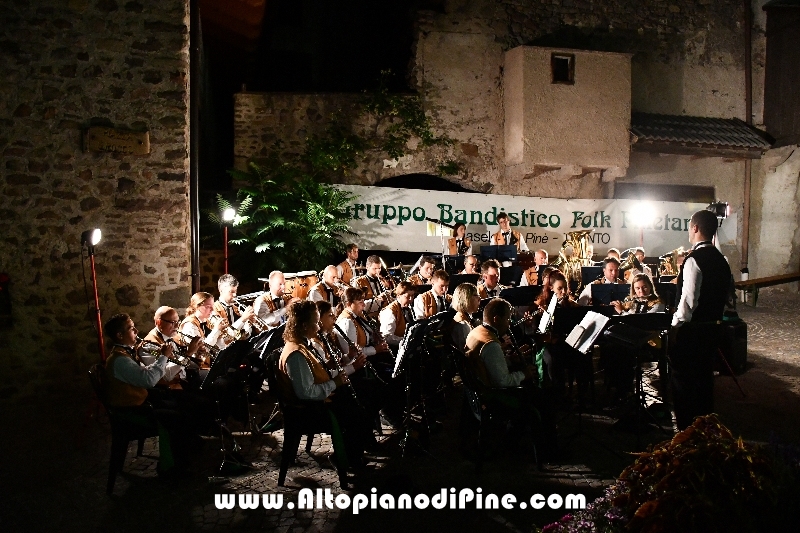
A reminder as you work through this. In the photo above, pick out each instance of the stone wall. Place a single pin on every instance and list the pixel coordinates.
(65, 66)
(687, 58)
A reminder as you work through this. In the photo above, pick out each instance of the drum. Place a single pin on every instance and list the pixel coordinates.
(300, 283)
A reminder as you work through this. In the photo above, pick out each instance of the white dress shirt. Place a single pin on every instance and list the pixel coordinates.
(348, 326)
(523, 246)
(419, 305)
(690, 292)
(213, 339)
(275, 318)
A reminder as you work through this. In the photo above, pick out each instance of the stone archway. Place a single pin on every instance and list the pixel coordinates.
(422, 181)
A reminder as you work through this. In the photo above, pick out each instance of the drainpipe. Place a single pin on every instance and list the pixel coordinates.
(748, 97)
(194, 140)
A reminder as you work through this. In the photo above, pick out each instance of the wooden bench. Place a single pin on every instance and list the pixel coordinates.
(752, 285)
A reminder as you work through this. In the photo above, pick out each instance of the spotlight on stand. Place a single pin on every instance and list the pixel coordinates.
(721, 209)
(227, 217)
(90, 238)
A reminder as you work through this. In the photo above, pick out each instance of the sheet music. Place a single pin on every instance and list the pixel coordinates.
(588, 331)
(547, 315)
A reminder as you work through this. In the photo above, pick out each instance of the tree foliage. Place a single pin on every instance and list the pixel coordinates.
(289, 216)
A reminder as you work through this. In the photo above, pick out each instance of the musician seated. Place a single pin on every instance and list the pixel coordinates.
(196, 324)
(303, 377)
(130, 388)
(271, 307)
(531, 276)
(458, 244)
(347, 268)
(327, 342)
(642, 299)
(486, 358)
(427, 265)
(166, 332)
(484, 349)
(613, 252)
(557, 360)
(466, 302)
(506, 236)
(199, 314)
(397, 316)
(638, 252)
(679, 259)
(358, 329)
(435, 300)
(490, 287)
(376, 289)
(329, 289)
(471, 265)
(226, 308)
(610, 271)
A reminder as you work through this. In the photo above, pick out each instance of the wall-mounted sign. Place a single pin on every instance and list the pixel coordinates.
(395, 219)
(100, 139)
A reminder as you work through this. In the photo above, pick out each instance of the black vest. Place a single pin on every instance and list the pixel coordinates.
(714, 287)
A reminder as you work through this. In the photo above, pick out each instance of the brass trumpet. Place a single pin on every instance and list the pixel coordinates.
(154, 349)
(229, 335)
(256, 321)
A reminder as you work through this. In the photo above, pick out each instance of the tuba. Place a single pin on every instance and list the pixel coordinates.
(668, 263)
(631, 261)
(576, 252)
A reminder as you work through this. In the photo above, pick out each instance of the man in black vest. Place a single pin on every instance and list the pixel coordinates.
(703, 286)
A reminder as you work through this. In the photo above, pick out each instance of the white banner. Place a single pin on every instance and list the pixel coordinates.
(394, 219)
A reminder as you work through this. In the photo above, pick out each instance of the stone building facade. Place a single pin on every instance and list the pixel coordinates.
(687, 58)
(64, 67)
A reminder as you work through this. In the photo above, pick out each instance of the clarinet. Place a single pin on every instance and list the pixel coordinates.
(338, 364)
(353, 345)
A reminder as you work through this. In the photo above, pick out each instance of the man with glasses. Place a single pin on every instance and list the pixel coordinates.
(471, 265)
(166, 332)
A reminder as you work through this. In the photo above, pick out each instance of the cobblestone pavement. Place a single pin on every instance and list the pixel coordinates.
(55, 459)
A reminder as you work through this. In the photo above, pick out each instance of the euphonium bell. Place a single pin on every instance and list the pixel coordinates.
(631, 261)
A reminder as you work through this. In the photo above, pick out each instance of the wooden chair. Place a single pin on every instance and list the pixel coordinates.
(124, 428)
(303, 418)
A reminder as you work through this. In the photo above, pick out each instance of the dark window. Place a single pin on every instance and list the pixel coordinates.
(563, 66)
(782, 72)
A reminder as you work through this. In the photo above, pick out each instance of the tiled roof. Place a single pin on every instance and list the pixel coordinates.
(728, 133)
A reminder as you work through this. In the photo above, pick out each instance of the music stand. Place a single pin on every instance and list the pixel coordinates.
(521, 296)
(667, 292)
(609, 292)
(411, 359)
(511, 275)
(458, 279)
(631, 333)
(452, 263)
(227, 358)
(590, 273)
(500, 252)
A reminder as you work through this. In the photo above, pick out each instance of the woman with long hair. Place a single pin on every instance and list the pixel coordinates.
(458, 244)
